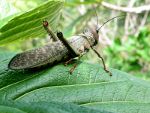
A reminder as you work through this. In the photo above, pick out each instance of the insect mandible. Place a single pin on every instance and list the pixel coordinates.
(60, 50)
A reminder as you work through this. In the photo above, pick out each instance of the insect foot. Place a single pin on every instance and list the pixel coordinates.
(73, 68)
(107, 71)
(104, 66)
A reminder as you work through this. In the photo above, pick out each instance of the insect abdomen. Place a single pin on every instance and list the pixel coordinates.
(37, 57)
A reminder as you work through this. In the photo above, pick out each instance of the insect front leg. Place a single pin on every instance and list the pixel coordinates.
(83, 50)
(76, 64)
(104, 66)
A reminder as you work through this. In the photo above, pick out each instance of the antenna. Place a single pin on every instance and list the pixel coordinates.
(108, 21)
(97, 30)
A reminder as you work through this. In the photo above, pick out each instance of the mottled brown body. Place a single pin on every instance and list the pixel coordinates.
(51, 53)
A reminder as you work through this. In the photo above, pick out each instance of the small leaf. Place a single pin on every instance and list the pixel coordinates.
(79, 2)
(29, 25)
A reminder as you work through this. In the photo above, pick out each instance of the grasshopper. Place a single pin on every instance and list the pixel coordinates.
(59, 50)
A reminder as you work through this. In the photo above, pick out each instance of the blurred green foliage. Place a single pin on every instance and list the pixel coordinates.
(132, 55)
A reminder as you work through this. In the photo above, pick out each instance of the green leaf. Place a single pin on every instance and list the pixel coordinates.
(122, 107)
(29, 24)
(79, 2)
(6, 19)
(46, 107)
(6, 109)
(88, 86)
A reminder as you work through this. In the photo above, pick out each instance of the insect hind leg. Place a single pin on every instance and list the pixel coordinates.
(49, 31)
(70, 48)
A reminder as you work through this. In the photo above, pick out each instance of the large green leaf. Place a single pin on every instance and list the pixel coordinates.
(88, 86)
(29, 25)
(45, 107)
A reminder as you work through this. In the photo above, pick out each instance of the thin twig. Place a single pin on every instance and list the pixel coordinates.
(143, 21)
(127, 20)
(137, 10)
